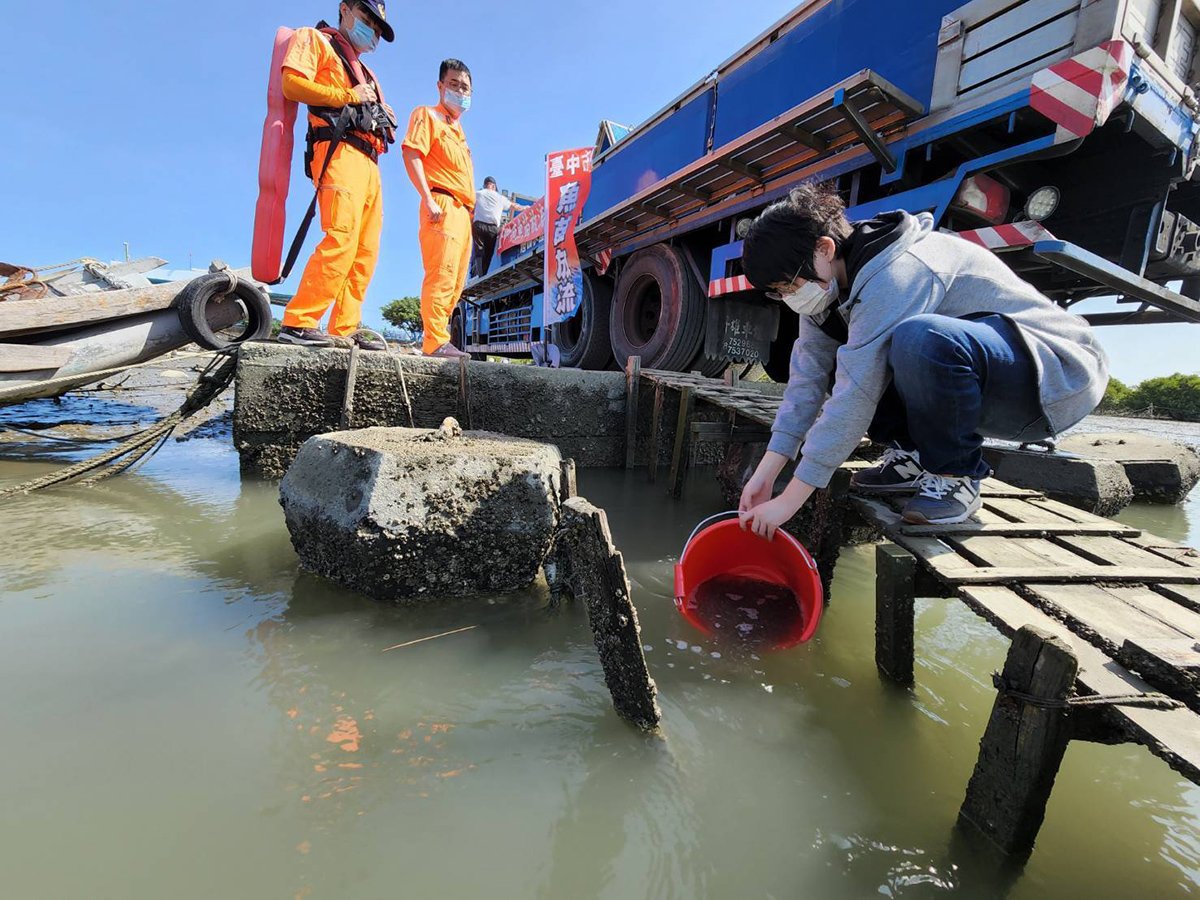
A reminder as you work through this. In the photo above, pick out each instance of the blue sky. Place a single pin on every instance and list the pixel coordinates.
(141, 122)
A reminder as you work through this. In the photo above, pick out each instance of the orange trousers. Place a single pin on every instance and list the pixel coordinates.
(341, 267)
(446, 253)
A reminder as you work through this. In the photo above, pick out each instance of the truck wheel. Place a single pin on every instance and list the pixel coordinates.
(458, 335)
(457, 338)
(709, 366)
(779, 364)
(583, 339)
(658, 313)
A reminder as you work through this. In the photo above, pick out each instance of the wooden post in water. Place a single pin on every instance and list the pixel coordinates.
(679, 457)
(656, 429)
(1024, 743)
(633, 378)
(895, 570)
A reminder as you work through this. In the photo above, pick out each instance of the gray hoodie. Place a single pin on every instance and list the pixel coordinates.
(923, 271)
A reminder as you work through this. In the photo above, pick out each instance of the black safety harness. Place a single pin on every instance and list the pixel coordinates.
(352, 125)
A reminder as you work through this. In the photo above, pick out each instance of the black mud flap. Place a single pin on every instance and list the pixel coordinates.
(740, 330)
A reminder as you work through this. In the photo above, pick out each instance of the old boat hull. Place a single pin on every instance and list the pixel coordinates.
(87, 355)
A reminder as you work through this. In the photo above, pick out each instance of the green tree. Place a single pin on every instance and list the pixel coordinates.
(1176, 396)
(1116, 396)
(404, 313)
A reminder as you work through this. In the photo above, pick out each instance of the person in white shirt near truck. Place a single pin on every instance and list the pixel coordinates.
(491, 206)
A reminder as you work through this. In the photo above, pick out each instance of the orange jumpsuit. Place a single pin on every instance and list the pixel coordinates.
(350, 198)
(445, 245)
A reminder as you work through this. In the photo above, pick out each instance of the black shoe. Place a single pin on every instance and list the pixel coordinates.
(368, 342)
(897, 470)
(304, 337)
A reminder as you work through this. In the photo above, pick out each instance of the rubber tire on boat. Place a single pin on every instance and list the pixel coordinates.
(192, 304)
(658, 313)
(778, 365)
(583, 339)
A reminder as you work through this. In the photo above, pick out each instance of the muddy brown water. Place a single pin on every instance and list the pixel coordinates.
(187, 715)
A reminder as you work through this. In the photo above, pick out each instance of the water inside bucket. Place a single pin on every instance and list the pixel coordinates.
(747, 610)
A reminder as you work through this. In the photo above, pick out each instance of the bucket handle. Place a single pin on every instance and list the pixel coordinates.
(733, 514)
(711, 520)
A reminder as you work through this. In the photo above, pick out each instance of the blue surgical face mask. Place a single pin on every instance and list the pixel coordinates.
(455, 100)
(363, 36)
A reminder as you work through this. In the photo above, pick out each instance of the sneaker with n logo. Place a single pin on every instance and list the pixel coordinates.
(897, 470)
(943, 500)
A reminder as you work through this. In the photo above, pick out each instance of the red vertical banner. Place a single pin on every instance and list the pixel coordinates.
(568, 181)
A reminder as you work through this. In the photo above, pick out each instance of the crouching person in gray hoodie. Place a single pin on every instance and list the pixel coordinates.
(924, 341)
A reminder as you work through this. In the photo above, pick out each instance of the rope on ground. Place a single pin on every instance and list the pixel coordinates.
(215, 378)
(1147, 700)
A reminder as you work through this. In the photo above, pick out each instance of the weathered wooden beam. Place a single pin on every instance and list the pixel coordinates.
(656, 429)
(22, 317)
(720, 433)
(570, 481)
(895, 570)
(633, 380)
(680, 454)
(593, 572)
(1024, 743)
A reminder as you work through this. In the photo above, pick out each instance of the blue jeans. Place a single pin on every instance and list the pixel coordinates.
(954, 382)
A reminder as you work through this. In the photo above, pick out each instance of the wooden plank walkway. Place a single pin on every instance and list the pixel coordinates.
(1105, 620)
(1124, 605)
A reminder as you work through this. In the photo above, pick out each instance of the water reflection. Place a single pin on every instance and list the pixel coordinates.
(197, 717)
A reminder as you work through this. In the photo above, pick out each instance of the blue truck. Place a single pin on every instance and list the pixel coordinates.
(1062, 134)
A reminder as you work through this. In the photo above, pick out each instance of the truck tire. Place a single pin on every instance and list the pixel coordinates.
(583, 339)
(457, 338)
(458, 335)
(779, 364)
(658, 312)
(709, 366)
(192, 307)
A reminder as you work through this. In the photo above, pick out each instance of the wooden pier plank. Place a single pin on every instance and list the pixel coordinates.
(1112, 551)
(1107, 614)
(996, 550)
(1018, 529)
(1025, 510)
(880, 514)
(1178, 553)
(1173, 735)
(1085, 574)
(1187, 595)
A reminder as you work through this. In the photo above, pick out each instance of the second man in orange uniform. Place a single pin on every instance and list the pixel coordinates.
(439, 163)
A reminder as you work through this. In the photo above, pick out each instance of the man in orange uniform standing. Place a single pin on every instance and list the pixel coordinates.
(322, 69)
(439, 163)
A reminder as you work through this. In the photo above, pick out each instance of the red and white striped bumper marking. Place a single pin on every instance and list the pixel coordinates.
(723, 286)
(1079, 94)
(1007, 237)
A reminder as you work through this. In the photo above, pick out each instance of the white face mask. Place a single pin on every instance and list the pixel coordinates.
(812, 297)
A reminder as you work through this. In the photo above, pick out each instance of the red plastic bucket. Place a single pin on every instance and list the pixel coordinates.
(719, 552)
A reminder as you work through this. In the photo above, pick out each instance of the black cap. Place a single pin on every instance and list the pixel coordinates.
(377, 9)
